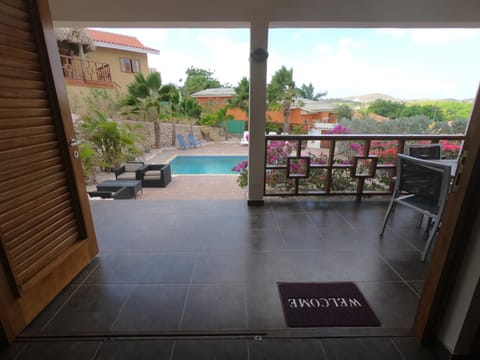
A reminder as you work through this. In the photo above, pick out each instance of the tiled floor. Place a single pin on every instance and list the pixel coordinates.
(208, 270)
(373, 348)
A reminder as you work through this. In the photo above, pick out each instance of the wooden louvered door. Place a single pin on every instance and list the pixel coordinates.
(46, 228)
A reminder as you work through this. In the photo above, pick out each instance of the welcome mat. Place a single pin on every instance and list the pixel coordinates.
(325, 304)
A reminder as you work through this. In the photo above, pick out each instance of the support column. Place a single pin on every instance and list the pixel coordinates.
(257, 109)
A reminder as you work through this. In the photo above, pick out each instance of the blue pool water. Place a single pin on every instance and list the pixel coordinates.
(205, 164)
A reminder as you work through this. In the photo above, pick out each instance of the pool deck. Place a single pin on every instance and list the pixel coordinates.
(191, 187)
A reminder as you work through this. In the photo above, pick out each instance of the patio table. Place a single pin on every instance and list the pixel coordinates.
(134, 186)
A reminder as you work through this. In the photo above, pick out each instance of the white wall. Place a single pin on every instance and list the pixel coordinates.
(463, 310)
(407, 13)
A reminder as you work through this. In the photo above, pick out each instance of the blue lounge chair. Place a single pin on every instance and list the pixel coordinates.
(181, 142)
(192, 141)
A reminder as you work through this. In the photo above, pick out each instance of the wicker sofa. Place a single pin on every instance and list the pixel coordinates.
(154, 175)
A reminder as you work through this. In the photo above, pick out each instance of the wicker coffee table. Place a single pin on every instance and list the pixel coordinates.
(134, 186)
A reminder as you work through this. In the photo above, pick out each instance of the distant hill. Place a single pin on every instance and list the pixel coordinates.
(371, 97)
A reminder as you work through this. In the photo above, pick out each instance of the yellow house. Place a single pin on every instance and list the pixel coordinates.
(112, 65)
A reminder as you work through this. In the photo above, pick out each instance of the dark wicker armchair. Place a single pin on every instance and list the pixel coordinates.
(128, 171)
(154, 175)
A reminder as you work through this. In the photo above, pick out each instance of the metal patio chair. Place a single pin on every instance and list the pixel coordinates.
(422, 186)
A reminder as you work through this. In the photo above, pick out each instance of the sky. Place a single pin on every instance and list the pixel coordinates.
(403, 63)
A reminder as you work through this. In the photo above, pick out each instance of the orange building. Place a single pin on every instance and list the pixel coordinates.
(213, 99)
(303, 112)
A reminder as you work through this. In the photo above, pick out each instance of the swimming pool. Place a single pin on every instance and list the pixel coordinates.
(205, 164)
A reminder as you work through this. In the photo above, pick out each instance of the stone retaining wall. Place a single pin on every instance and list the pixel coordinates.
(215, 134)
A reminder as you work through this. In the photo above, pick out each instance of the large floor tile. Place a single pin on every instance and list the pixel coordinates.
(341, 266)
(90, 309)
(361, 349)
(210, 350)
(215, 307)
(43, 319)
(143, 268)
(407, 264)
(286, 349)
(153, 307)
(71, 350)
(412, 350)
(264, 309)
(135, 349)
(394, 303)
(11, 352)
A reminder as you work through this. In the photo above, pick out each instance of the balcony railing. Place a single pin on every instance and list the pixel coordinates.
(340, 164)
(86, 72)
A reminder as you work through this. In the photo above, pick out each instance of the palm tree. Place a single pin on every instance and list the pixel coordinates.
(241, 96)
(308, 92)
(147, 97)
(113, 141)
(280, 93)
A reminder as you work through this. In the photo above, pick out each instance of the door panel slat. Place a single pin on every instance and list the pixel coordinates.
(37, 204)
(24, 103)
(68, 239)
(22, 93)
(29, 193)
(21, 84)
(23, 249)
(8, 10)
(16, 228)
(28, 152)
(23, 74)
(32, 177)
(17, 4)
(26, 140)
(17, 132)
(31, 169)
(18, 54)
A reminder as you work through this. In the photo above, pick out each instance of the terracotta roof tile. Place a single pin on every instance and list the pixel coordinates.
(117, 39)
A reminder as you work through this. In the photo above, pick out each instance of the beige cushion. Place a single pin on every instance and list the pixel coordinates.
(132, 166)
(152, 174)
(126, 176)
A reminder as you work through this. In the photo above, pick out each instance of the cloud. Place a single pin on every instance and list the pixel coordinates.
(227, 57)
(344, 73)
(208, 49)
(345, 63)
(347, 43)
(391, 32)
(441, 36)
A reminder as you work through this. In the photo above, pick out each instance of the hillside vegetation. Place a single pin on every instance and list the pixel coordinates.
(452, 109)
(436, 110)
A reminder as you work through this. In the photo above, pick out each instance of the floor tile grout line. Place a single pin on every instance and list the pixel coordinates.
(323, 349)
(173, 349)
(279, 230)
(132, 288)
(97, 350)
(187, 295)
(397, 348)
(398, 274)
(60, 307)
(245, 299)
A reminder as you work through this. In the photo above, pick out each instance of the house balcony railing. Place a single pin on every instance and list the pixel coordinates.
(340, 164)
(85, 72)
